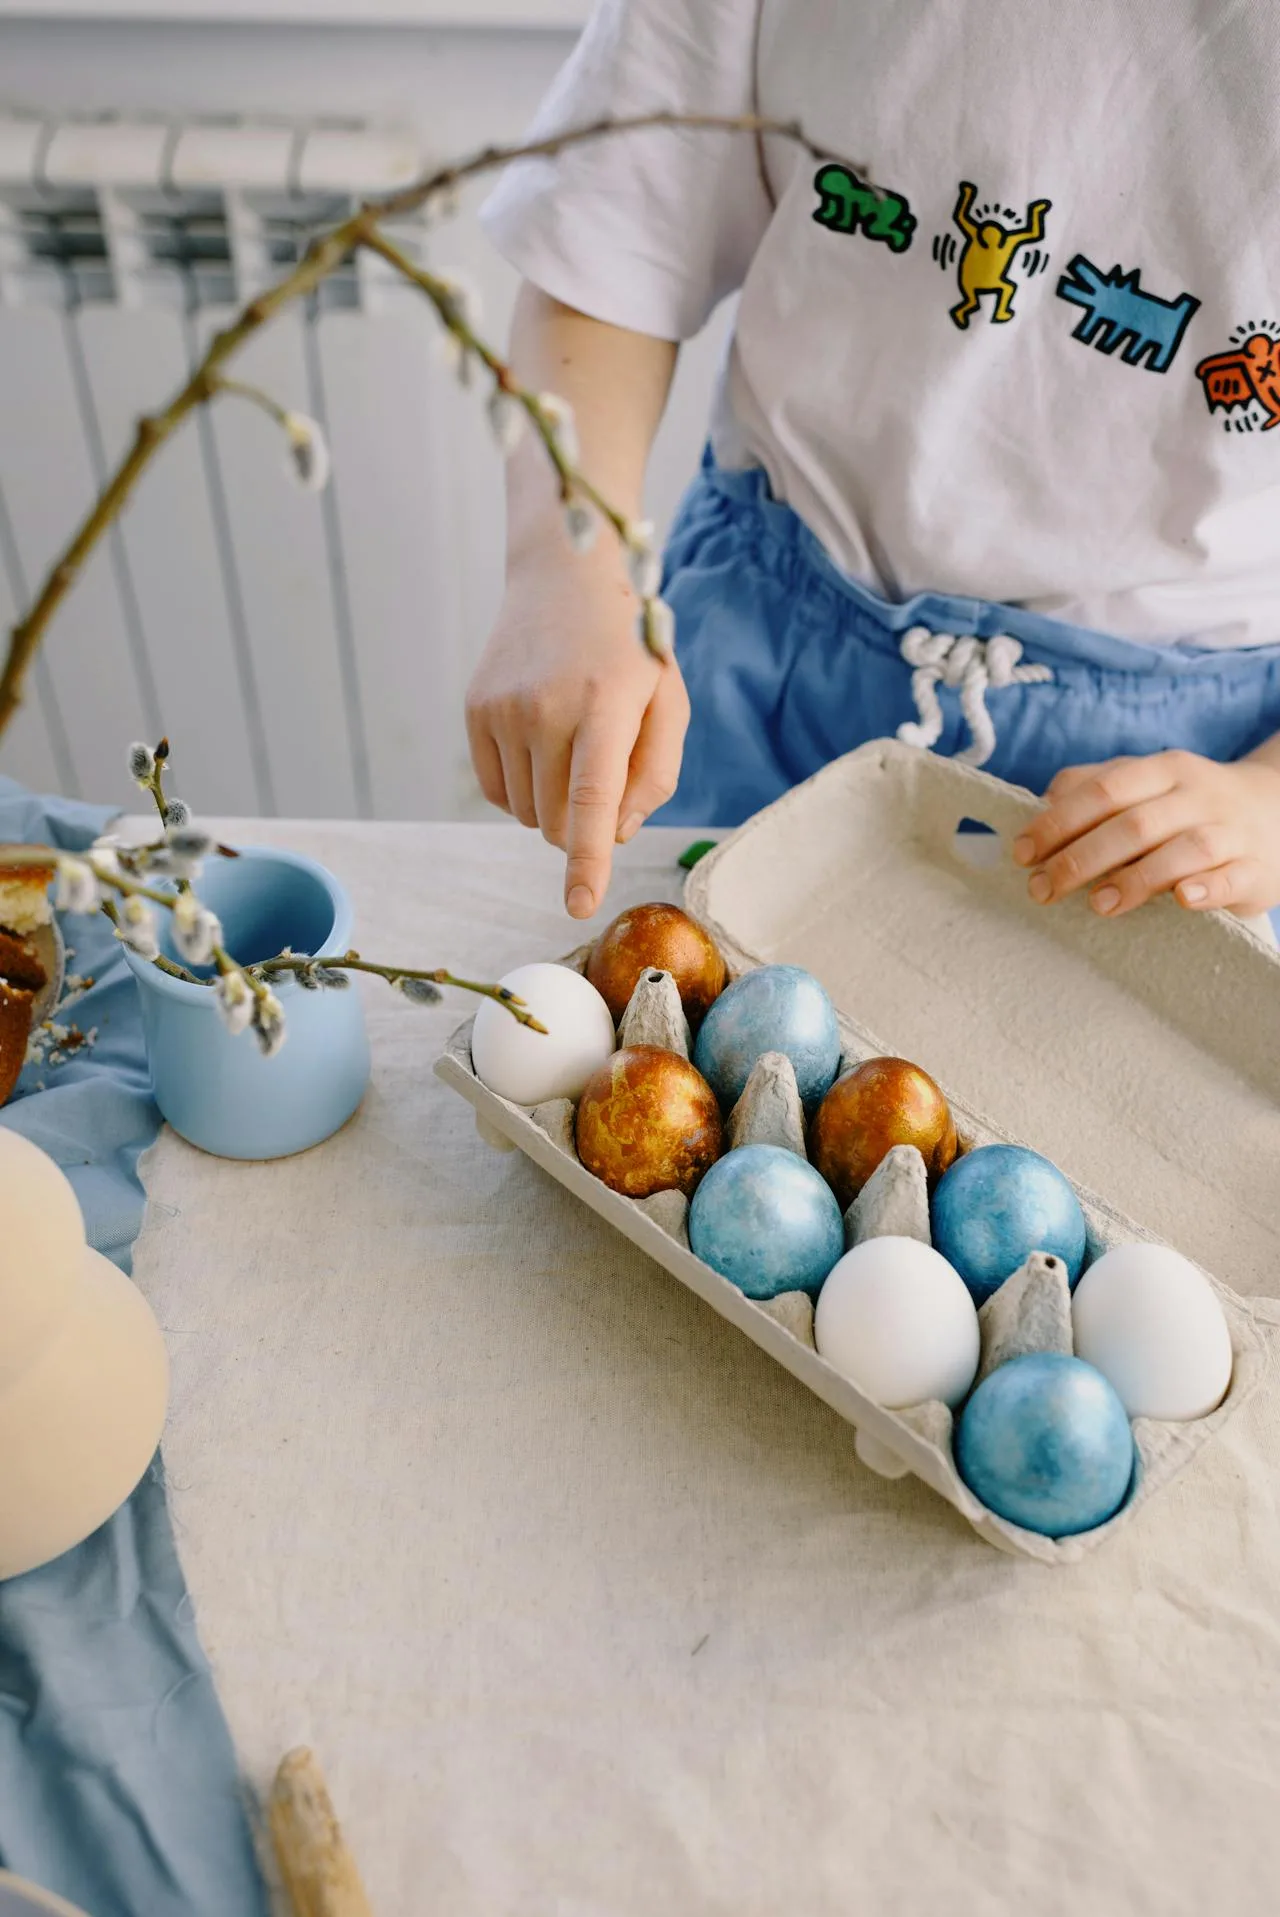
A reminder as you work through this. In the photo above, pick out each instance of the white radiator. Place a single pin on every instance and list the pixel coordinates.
(306, 654)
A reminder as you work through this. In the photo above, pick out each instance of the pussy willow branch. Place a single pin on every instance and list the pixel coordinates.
(258, 975)
(107, 907)
(324, 256)
(437, 291)
(222, 959)
(155, 786)
(352, 962)
(43, 858)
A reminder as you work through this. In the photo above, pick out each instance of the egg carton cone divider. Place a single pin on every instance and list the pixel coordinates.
(1143, 1057)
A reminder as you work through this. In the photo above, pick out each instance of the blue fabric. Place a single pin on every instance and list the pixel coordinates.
(790, 663)
(118, 1781)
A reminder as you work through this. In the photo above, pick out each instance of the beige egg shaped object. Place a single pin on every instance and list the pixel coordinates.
(41, 1252)
(18, 1898)
(84, 1375)
(81, 1424)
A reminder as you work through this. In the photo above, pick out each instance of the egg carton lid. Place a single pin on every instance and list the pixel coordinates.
(1142, 1055)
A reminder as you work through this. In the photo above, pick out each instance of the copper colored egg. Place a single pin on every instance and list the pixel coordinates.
(648, 1122)
(879, 1104)
(664, 939)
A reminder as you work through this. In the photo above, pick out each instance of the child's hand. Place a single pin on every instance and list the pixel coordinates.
(1175, 822)
(574, 727)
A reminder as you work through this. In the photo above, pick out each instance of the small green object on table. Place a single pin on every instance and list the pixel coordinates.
(692, 853)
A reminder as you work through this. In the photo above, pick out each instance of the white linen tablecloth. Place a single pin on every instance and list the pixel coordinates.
(587, 1607)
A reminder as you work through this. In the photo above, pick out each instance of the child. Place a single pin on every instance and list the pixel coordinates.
(989, 463)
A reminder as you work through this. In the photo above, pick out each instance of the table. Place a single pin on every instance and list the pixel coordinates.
(587, 1607)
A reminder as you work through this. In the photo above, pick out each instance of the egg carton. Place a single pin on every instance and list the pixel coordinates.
(1030, 1312)
(868, 851)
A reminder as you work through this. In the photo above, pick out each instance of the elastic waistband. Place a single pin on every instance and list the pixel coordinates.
(1053, 641)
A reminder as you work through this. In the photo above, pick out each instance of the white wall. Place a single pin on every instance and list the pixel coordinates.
(456, 86)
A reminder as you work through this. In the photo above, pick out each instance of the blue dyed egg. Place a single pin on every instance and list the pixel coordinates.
(996, 1206)
(1044, 1441)
(776, 1008)
(767, 1221)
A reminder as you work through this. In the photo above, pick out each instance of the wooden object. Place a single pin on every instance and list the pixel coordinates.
(319, 1871)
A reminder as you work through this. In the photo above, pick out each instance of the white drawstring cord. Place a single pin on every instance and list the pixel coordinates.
(971, 665)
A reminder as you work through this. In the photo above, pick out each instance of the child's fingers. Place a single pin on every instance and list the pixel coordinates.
(487, 760)
(1069, 778)
(1118, 843)
(1108, 789)
(517, 776)
(655, 762)
(1238, 886)
(597, 779)
(551, 764)
(1181, 857)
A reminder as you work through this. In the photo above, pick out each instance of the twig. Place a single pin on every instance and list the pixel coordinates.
(161, 963)
(256, 976)
(352, 962)
(256, 397)
(438, 291)
(409, 199)
(156, 785)
(131, 888)
(322, 257)
(152, 431)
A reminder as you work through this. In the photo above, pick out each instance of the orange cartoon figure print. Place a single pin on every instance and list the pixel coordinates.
(1245, 381)
(988, 254)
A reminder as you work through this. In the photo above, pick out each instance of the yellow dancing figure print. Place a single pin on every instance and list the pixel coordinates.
(988, 254)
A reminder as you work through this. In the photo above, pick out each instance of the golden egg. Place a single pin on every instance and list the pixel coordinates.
(879, 1104)
(648, 1121)
(658, 938)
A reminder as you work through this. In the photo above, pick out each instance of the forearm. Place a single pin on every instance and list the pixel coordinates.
(617, 383)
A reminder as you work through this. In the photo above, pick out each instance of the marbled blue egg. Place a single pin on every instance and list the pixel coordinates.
(996, 1206)
(776, 1008)
(1044, 1441)
(767, 1221)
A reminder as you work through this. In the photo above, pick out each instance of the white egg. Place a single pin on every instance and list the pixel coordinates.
(1151, 1323)
(898, 1321)
(527, 1066)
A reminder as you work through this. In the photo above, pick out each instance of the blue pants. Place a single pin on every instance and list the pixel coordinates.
(790, 663)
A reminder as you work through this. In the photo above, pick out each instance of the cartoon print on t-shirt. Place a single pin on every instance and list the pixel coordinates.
(1118, 313)
(988, 253)
(849, 205)
(1245, 381)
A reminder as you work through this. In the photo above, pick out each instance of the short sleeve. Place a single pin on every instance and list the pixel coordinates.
(646, 230)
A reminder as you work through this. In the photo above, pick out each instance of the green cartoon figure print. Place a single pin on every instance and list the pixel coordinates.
(988, 254)
(849, 205)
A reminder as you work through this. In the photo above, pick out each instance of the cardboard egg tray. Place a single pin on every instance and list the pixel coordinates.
(1142, 1057)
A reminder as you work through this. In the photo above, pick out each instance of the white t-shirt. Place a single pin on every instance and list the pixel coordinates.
(1045, 369)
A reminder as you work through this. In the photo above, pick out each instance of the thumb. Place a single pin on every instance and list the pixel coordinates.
(654, 772)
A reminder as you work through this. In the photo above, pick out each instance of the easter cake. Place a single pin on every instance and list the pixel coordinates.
(27, 961)
(24, 896)
(22, 978)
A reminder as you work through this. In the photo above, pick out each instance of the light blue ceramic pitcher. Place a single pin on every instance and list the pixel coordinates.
(217, 1090)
